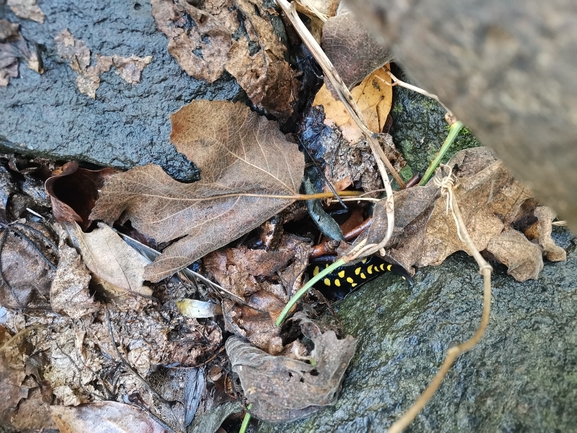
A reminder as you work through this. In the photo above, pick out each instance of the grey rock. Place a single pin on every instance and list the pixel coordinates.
(522, 377)
(126, 125)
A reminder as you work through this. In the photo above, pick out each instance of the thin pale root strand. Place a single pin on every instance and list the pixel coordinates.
(447, 185)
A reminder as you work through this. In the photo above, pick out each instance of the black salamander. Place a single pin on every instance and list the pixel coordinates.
(345, 279)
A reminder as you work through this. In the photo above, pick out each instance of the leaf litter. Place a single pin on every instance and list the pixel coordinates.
(241, 156)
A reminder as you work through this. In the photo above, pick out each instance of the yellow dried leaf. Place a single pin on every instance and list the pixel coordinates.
(374, 98)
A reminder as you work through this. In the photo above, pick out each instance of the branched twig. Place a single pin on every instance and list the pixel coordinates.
(447, 184)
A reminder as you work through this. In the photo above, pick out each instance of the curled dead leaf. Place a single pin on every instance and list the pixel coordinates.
(285, 389)
(73, 191)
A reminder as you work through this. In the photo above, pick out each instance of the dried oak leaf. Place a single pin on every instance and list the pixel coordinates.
(353, 50)
(244, 160)
(490, 200)
(283, 389)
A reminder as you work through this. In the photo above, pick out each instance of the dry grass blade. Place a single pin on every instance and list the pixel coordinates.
(446, 185)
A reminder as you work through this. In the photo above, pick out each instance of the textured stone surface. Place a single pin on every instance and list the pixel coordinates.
(506, 69)
(521, 377)
(125, 125)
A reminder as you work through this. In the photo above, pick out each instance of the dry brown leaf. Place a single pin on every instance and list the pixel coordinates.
(265, 280)
(352, 49)
(545, 217)
(118, 267)
(523, 259)
(374, 98)
(88, 79)
(27, 9)
(491, 202)
(238, 153)
(69, 293)
(105, 416)
(283, 389)
(13, 47)
(202, 41)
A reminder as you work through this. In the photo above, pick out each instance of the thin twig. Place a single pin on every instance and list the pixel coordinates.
(447, 185)
(351, 106)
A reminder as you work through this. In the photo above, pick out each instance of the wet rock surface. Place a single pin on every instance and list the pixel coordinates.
(521, 377)
(126, 124)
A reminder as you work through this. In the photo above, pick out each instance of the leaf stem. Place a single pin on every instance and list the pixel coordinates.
(304, 289)
(453, 132)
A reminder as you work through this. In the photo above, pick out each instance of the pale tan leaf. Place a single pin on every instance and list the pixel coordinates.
(112, 260)
(244, 159)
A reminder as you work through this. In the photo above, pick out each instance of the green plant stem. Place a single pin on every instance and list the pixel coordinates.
(305, 289)
(245, 420)
(453, 132)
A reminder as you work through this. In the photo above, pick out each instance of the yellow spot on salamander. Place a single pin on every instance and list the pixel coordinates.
(357, 271)
(370, 270)
(382, 266)
(364, 261)
(389, 267)
(363, 276)
(341, 274)
(338, 282)
(354, 285)
(316, 270)
(350, 280)
(327, 282)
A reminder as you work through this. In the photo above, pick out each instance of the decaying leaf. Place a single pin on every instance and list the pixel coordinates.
(73, 191)
(204, 39)
(69, 293)
(374, 98)
(88, 80)
(244, 159)
(27, 275)
(352, 49)
(13, 47)
(490, 200)
(265, 280)
(27, 9)
(284, 389)
(108, 416)
(115, 265)
(345, 163)
(21, 401)
(545, 217)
